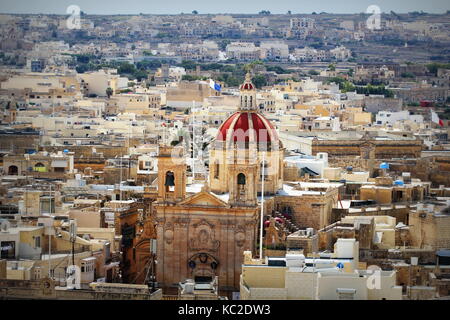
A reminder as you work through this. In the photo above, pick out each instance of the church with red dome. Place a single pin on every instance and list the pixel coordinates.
(204, 235)
(245, 143)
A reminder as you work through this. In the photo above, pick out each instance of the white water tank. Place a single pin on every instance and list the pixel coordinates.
(295, 260)
(345, 248)
(189, 286)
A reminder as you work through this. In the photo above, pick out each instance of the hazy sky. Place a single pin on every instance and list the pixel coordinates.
(223, 6)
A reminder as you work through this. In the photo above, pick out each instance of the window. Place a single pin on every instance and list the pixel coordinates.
(241, 179)
(8, 250)
(346, 294)
(216, 170)
(37, 242)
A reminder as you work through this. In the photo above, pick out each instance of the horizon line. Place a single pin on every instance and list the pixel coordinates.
(445, 12)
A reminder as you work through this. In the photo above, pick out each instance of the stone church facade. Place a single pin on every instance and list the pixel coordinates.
(205, 235)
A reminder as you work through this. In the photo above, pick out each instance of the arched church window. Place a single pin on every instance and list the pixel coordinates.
(251, 101)
(245, 99)
(241, 179)
(170, 181)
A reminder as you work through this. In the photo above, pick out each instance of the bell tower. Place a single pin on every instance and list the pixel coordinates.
(171, 174)
(242, 174)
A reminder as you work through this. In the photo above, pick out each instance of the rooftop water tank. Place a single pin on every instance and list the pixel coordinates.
(295, 260)
(398, 182)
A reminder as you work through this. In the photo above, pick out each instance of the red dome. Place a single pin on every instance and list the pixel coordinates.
(247, 86)
(241, 125)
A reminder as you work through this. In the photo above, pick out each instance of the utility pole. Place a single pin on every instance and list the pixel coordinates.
(262, 207)
(120, 180)
(73, 236)
(50, 239)
(314, 277)
(193, 142)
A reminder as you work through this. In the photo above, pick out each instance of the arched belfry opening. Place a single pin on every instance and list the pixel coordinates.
(241, 181)
(170, 181)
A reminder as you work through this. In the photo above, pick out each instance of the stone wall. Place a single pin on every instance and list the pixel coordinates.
(3, 265)
(45, 289)
(309, 211)
(429, 230)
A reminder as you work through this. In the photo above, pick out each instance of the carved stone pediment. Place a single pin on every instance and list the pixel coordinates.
(203, 199)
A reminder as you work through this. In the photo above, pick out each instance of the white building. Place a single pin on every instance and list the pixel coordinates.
(332, 276)
(390, 118)
(341, 53)
(243, 51)
(274, 50)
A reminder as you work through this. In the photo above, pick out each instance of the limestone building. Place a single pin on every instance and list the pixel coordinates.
(205, 235)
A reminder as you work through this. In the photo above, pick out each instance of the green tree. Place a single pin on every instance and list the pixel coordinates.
(188, 64)
(259, 81)
(223, 44)
(407, 75)
(126, 68)
(109, 92)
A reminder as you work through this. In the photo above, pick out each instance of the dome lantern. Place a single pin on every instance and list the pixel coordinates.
(247, 95)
